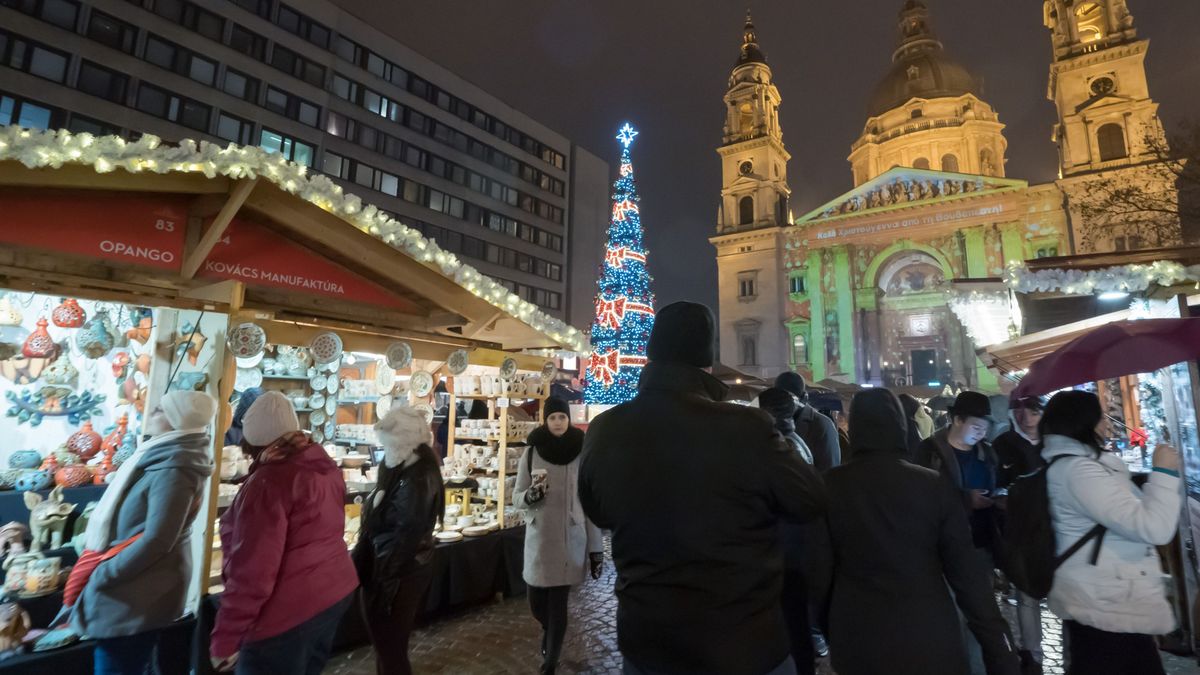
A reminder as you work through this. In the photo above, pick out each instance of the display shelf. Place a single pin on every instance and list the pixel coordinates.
(293, 378)
(481, 397)
(490, 439)
(358, 401)
(348, 441)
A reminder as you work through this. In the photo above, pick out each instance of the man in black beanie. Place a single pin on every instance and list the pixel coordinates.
(693, 490)
(818, 431)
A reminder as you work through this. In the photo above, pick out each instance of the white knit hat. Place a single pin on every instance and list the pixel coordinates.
(403, 429)
(188, 409)
(269, 418)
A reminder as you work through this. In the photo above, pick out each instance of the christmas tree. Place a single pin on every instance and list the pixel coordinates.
(624, 303)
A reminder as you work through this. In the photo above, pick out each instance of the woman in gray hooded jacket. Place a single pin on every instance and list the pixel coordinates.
(147, 511)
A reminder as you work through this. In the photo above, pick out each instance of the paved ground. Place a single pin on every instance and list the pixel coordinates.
(502, 637)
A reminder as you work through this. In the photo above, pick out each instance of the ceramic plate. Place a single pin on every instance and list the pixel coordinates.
(549, 372)
(448, 537)
(331, 428)
(316, 418)
(247, 340)
(332, 384)
(427, 411)
(326, 348)
(316, 401)
(399, 355)
(385, 379)
(422, 384)
(318, 382)
(382, 406)
(458, 362)
(476, 530)
(250, 362)
(508, 369)
(330, 406)
(318, 436)
(247, 378)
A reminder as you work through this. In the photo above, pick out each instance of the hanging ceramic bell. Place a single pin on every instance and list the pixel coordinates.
(39, 344)
(62, 372)
(69, 314)
(85, 442)
(95, 339)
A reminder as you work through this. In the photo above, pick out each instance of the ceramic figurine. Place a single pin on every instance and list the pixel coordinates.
(39, 344)
(25, 459)
(44, 576)
(113, 440)
(8, 478)
(34, 481)
(14, 626)
(73, 475)
(85, 442)
(16, 571)
(62, 372)
(69, 314)
(143, 323)
(47, 518)
(12, 538)
(94, 339)
(100, 474)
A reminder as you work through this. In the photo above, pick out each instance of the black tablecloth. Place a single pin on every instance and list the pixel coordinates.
(12, 504)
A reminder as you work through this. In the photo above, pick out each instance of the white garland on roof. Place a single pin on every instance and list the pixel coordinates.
(1122, 278)
(55, 148)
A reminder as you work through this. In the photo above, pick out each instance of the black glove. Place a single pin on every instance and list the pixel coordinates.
(535, 494)
(597, 560)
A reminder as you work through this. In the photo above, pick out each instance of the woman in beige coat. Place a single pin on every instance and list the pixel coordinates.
(561, 544)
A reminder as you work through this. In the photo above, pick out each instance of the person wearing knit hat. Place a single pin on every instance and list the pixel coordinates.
(693, 490)
(893, 525)
(394, 552)
(819, 432)
(144, 524)
(233, 436)
(288, 577)
(562, 546)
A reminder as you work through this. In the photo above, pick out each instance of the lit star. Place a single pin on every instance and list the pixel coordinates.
(626, 135)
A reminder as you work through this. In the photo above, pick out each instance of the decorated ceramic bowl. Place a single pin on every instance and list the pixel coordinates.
(25, 459)
(399, 355)
(458, 361)
(326, 348)
(33, 481)
(247, 340)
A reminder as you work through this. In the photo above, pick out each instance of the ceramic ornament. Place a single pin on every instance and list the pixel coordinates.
(326, 348)
(34, 481)
(85, 442)
(385, 379)
(247, 378)
(399, 355)
(508, 369)
(33, 407)
(95, 339)
(191, 342)
(69, 314)
(25, 459)
(421, 383)
(143, 323)
(39, 344)
(458, 361)
(61, 372)
(73, 475)
(247, 340)
(9, 315)
(549, 372)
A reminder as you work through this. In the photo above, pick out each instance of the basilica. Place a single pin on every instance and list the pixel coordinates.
(868, 287)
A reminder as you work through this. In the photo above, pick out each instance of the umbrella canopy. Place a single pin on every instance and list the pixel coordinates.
(1116, 349)
(743, 392)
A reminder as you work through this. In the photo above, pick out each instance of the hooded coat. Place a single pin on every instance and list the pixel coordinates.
(144, 587)
(693, 490)
(902, 560)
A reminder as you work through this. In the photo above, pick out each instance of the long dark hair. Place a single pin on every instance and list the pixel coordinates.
(1073, 414)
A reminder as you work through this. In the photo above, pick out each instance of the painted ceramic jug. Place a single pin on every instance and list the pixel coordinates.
(95, 339)
(112, 442)
(85, 442)
(39, 344)
(69, 314)
(25, 459)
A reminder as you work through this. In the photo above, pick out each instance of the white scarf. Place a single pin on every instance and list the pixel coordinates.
(99, 529)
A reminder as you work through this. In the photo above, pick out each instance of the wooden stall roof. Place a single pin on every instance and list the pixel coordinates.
(439, 305)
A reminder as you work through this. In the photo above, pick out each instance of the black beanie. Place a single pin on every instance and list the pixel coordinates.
(684, 332)
(779, 403)
(877, 422)
(556, 405)
(791, 381)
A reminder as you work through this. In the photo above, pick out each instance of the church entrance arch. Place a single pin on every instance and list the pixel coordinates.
(915, 325)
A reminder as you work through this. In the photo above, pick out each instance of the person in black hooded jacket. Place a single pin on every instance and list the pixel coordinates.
(395, 544)
(902, 559)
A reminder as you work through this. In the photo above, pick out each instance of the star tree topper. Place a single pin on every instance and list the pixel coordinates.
(626, 135)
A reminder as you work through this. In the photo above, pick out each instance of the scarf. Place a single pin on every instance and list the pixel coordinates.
(282, 449)
(99, 529)
(557, 450)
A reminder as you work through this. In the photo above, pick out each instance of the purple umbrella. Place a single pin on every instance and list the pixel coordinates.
(1113, 350)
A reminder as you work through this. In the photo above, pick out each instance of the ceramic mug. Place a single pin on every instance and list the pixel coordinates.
(466, 521)
(452, 510)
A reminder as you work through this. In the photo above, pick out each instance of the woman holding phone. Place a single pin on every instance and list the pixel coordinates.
(561, 544)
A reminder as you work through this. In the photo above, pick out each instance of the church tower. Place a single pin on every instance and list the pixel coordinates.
(751, 218)
(754, 191)
(1098, 83)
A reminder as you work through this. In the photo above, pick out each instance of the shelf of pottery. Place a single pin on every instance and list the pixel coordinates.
(484, 454)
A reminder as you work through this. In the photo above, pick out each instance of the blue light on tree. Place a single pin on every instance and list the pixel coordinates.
(624, 303)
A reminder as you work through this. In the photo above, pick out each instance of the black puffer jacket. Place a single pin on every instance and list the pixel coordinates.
(693, 491)
(398, 517)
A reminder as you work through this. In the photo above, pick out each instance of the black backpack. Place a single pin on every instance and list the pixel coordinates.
(1029, 543)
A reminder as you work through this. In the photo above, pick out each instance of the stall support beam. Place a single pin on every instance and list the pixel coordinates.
(237, 196)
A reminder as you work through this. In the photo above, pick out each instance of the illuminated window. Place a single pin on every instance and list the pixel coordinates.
(1089, 21)
(746, 211)
(799, 349)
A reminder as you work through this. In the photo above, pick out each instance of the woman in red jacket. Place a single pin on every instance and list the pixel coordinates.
(288, 576)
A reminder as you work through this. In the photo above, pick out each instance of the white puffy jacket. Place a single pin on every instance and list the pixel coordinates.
(1125, 591)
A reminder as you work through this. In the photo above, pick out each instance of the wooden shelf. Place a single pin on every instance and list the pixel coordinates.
(510, 440)
(480, 397)
(294, 378)
(358, 401)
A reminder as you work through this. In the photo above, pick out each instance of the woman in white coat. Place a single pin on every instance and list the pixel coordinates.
(1111, 593)
(561, 544)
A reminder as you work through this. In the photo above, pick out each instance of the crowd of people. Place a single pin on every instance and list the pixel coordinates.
(747, 540)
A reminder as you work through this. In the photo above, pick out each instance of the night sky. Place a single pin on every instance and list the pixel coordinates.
(582, 67)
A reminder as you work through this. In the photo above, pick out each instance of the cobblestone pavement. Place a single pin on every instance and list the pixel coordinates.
(502, 637)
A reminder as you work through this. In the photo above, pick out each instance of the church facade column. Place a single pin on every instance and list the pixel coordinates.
(869, 326)
(1012, 243)
(845, 309)
(816, 336)
(976, 250)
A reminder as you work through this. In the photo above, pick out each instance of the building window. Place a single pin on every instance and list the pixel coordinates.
(796, 284)
(746, 211)
(192, 17)
(249, 43)
(296, 23)
(234, 129)
(297, 66)
(335, 165)
(749, 350)
(987, 163)
(950, 163)
(171, 56)
(1089, 20)
(81, 125)
(1111, 139)
(799, 349)
(26, 114)
(294, 107)
(921, 163)
(241, 85)
(33, 58)
(748, 285)
(61, 13)
(259, 7)
(290, 148)
(1046, 252)
(111, 31)
(917, 112)
(347, 49)
(1130, 242)
(99, 81)
(160, 103)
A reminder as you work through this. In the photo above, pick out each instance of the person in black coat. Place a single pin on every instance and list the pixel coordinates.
(818, 431)
(902, 559)
(693, 490)
(395, 543)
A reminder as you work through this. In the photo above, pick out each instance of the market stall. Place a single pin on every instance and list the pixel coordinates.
(231, 269)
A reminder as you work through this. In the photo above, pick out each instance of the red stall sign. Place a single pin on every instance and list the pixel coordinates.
(257, 256)
(135, 229)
